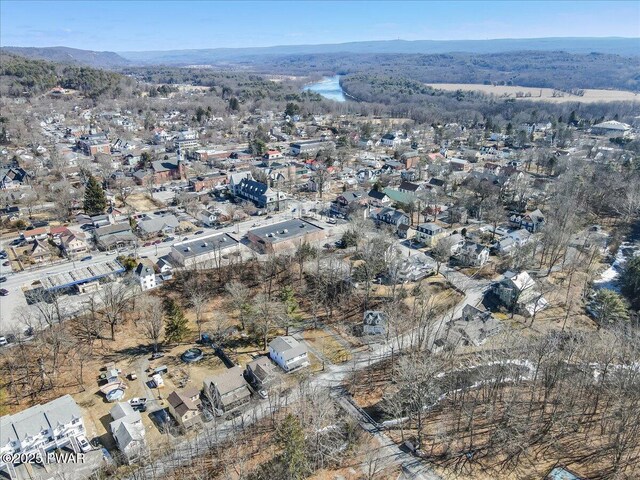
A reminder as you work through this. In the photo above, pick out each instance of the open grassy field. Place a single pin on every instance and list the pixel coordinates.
(541, 94)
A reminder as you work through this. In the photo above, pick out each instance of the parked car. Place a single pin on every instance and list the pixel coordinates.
(199, 232)
(157, 242)
(84, 259)
(156, 355)
(3, 342)
(3, 279)
(147, 244)
(84, 444)
(4, 292)
(332, 221)
(6, 264)
(4, 254)
(169, 239)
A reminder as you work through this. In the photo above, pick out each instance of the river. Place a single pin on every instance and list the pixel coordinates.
(329, 88)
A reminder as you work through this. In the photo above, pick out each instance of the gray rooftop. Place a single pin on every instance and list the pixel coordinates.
(81, 275)
(204, 245)
(34, 420)
(286, 230)
(153, 225)
(287, 347)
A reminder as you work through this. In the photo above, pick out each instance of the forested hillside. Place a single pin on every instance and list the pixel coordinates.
(404, 97)
(21, 76)
(73, 56)
(559, 70)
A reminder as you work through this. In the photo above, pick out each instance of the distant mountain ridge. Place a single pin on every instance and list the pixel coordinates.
(72, 56)
(582, 45)
(112, 60)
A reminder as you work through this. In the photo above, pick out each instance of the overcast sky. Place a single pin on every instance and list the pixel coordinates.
(164, 25)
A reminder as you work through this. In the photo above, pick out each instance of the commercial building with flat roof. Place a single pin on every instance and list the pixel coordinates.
(79, 276)
(285, 235)
(201, 249)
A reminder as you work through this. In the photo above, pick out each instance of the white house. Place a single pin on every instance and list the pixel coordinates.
(374, 322)
(39, 429)
(390, 140)
(288, 353)
(128, 431)
(146, 276)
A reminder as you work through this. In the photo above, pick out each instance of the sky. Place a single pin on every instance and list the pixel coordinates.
(169, 25)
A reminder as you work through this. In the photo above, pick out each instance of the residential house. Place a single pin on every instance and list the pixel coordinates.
(272, 155)
(288, 353)
(146, 276)
(262, 196)
(518, 292)
(40, 233)
(150, 227)
(10, 213)
(128, 431)
(377, 199)
(473, 328)
(228, 390)
(390, 140)
(38, 252)
(208, 218)
(374, 322)
(13, 177)
(455, 242)
(39, 429)
(459, 165)
(398, 197)
(235, 180)
(185, 407)
(429, 233)
(73, 244)
(492, 168)
(260, 372)
(409, 187)
(118, 235)
(347, 203)
(391, 216)
(531, 221)
(410, 159)
(472, 254)
(413, 269)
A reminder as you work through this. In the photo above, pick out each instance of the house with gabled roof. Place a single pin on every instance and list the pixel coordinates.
(288, 353)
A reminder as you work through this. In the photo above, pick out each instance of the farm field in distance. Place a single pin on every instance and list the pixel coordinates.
(542, 94)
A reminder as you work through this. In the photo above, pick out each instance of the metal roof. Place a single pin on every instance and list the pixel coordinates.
(81, 275)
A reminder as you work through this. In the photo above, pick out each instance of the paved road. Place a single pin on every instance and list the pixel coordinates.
(334, 376)
(11, 304)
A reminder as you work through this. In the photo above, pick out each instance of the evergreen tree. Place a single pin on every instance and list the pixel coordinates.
(609, 307)
(176, 328)
(290, 438)
(95, 202)
(630, 282)
(292, 109)
(234, 104)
